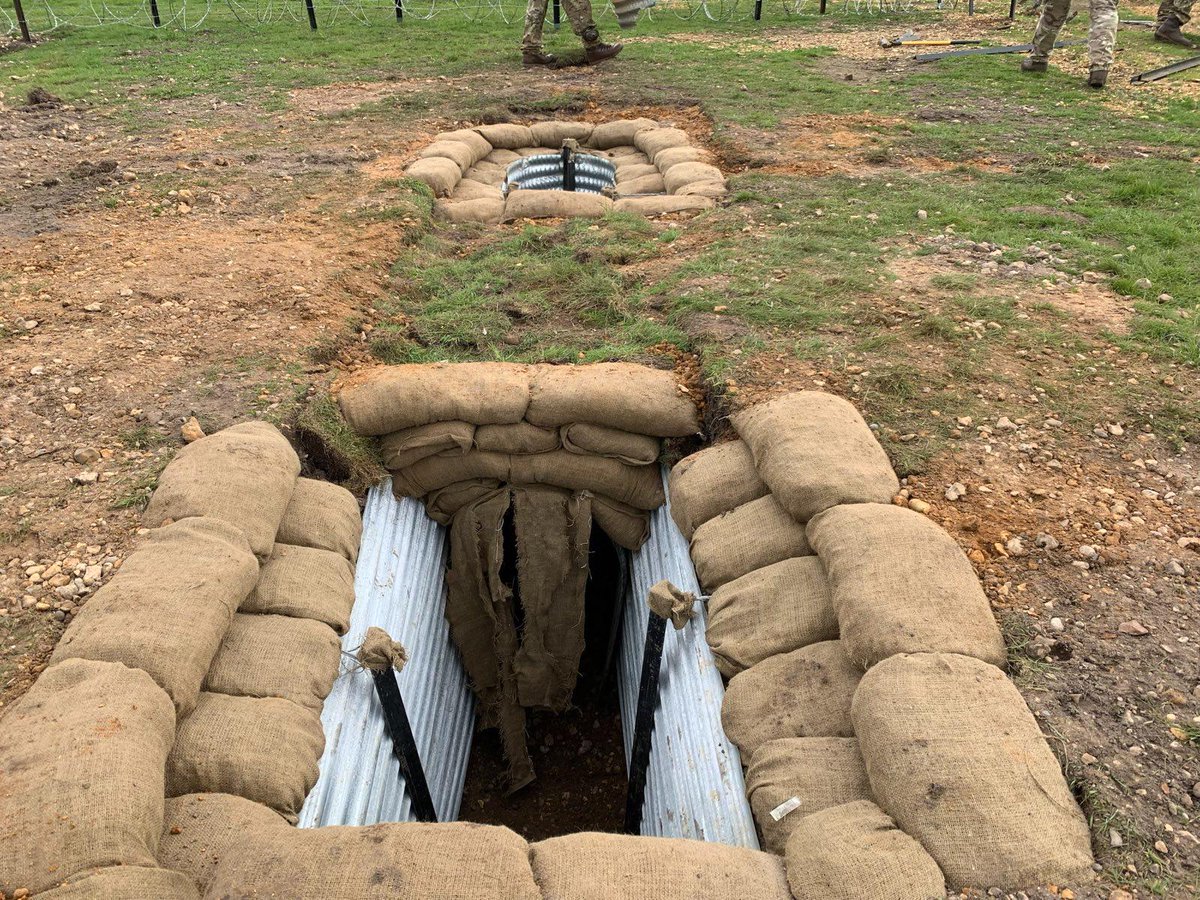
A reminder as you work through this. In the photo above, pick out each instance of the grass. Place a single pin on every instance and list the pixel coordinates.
(331, 445)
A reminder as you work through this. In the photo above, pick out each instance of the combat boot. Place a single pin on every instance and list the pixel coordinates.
(1029, 64)
(1169, 33)
(1097, 78)
(600, 51)
(537, 58)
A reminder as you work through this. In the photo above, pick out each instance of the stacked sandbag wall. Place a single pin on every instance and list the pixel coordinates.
(888, 755)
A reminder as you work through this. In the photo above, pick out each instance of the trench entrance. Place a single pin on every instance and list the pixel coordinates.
(579, 753)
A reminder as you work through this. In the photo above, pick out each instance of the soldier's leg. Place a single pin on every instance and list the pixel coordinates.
(579, 14)
(1102, 34)
(1054, 15)
(535, 18)
(1179, 10)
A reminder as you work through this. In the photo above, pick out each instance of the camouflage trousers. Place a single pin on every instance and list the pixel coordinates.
(1102, 35)
(1180, 9)
(579, 14)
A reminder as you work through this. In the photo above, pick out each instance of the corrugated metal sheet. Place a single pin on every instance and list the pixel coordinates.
(694, 786)
(544, 172)
(399, 586)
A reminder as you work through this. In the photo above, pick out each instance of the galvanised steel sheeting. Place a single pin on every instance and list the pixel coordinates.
(544, 172)
(694, 785)
(399, 586)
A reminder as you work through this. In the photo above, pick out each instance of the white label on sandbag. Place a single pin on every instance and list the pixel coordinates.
(784, 808)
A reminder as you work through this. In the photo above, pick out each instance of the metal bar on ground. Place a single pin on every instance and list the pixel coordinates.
(643, 734)
(312, 14)
(404, 745)
(987, 51)
(1174, 69)
(20, 11)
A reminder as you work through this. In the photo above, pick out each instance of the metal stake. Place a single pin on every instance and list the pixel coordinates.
(399, 10)
(557, 14)
(20, 11)
(568, 164)
(757, 10)
(643, 723)
(404, 745)
(1174, 68)
(154, 13)
(312, 14)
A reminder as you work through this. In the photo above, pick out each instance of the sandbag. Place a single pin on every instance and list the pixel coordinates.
(81, 774)
(402, 448)
(688, 173)
(482, 211)
(613, 443)
(200, 829)
(900, 584)
(819, 772)
(277, 656)
(263, 749)
(486, 173)
(814, 451)
(324, 516)
(388, 398)
(638, 486)
(625, 526)
(651, 140)
(520, 438)
(552, 134)
(856, 852)
(711, 482)
(957, 759)
(409, 860)
(502, 157)
(506, 136)
(473, 139)
(439, 173)
(306, 583)
(168, 607)
(647, 184)
(755, 534)
(125, 883)
(243, 475)
(442, 504)
(622, 157)
(552, 528)
(550, 204)
(620, 395)
(469, 189)
(535, 151)
(663, 205)
(776, 609)
(618, 133)
(589, 866)
(462, 155)
(627, 172)
(714, 190)
(805, 693)
(669, 157)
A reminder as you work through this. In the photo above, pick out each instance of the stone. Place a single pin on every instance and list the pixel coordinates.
(191, 430)
(922, 215)
(1174, 567)
(1134, 627)
(1143, 284)
(1088, 552)
(1115, 839)
(85, 456)
(1047, 541)
(86, 478)
(918, 505)
(956, 490)
(1056, 624)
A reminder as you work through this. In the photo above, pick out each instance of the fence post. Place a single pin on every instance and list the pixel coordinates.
(312, 14)
(154, 13)
(20, 11)
(399, 10)
(557, 15)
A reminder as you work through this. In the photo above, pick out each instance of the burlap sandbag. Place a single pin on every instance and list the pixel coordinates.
(618, 133)
(482, 211)
(81, 774)
(469, 189)
(900, 584)
(805, 693)
(389, 398)
(550, 204)
(613, 443)
(484, 172)
(625, 526)
(277, 656)
(590, 866)
(689, 173)
(711, 482)
(663, 205)
(244, 475)
(518, 438)
(651, 140)
(856, 852)
(442, 504)
(776, 609)
(626, 157)
(473, 139)
(638, 486)
(408, 860)
(627, 172)
(750, 537)
(505, 136)
(819, 772)
(306, 583)
(439, 173)
(502, 157)
(125, 883)
(714, 190)
(200, 829)
(670, 157)
(552, 528)
(462, 155)
(619, 395)
(263, 749)
(815, 451)
(322, 515)
(552, 134)
(956, 758)
(402, 448)
(647, 184)
(168, 607)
